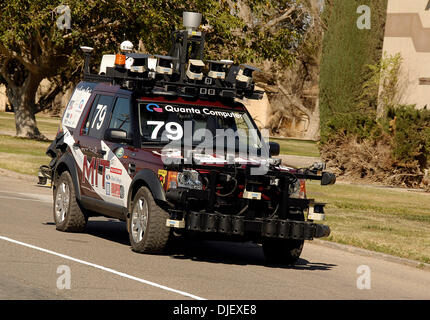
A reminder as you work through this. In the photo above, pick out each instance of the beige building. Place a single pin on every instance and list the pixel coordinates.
(3, 98)
(407, 32)
(259, 110)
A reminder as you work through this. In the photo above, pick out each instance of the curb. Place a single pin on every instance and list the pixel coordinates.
(373, 254)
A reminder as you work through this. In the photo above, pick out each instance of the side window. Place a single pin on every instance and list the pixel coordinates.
(96, 120)
(87, 123)
(121, 118)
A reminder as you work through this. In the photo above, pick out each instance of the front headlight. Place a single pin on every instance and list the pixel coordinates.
(189, 179)
(298, 189)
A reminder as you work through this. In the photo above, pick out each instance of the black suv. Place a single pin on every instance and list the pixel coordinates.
(175, 154)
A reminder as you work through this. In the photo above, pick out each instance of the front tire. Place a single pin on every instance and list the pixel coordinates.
(68, 215)
(282, 251)
(147, 224)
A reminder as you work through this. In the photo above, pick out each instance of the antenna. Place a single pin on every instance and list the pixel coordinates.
(188, 44)
(191, 21)
(87, 53)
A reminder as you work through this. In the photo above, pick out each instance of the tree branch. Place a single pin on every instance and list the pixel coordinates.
(294, 100)
(4, 73)
(97, 29)
(267, 88)
(44, 102)
(281, 18)
(12, 54)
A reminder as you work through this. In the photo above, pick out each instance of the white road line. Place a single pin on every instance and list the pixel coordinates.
(121, 274)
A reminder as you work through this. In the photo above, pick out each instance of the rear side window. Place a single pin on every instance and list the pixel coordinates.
(121, 116)
(94, 127)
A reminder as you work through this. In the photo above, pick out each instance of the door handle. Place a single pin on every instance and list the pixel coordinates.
(101, 152)
(77, 145)
(131, 168)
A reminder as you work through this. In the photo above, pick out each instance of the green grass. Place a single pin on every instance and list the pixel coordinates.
(386, 220)
(22, 155)
(48, 126)
(296, 147)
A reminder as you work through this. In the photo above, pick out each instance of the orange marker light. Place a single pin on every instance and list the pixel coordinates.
(172, 176)
(302, 189)
(120, 60)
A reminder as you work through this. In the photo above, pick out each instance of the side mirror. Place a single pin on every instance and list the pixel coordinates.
(116, 135)
(328, 178)
(274, 148)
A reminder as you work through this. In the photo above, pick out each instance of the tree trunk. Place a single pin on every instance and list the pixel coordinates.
(313, 132)
(22, 98)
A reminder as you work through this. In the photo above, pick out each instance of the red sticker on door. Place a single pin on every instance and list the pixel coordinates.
(115, 171)
(115, 190)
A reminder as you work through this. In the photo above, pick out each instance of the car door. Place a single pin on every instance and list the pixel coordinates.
(94, 165)
(119, 175)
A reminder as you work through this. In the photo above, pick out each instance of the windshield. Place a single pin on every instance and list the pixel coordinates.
(197, 125)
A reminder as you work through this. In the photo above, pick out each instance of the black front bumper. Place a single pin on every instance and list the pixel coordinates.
(269, 228)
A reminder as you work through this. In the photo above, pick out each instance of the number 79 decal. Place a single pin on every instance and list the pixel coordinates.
(100, 116)
(174, 130)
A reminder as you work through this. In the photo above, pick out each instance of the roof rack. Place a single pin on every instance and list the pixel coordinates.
(181, 73)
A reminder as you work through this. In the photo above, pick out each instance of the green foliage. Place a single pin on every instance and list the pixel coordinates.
(410, 129)
(33, 48)
(360, 89)
(356, 124)
(383, 86)
(364, 130)
(347, 51)
(103, 24)
(244, 36)
(361, 122)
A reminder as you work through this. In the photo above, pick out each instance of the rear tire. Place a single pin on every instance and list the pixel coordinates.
(68, 215)
(147, 224)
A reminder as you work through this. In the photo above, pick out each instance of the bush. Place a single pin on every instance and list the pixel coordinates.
(393, 150)
(410, 135)
(359, 125)
(383, 85)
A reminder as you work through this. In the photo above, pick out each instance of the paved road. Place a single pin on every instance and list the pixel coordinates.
(102, 266)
